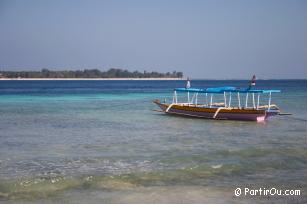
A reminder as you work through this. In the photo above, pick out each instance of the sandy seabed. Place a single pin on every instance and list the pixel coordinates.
(160, 195)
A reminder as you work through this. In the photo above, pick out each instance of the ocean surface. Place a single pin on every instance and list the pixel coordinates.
(100, 142)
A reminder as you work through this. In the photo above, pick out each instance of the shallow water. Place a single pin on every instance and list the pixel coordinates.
(100, 141)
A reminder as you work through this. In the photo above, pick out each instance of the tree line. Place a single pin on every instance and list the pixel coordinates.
(89, 73)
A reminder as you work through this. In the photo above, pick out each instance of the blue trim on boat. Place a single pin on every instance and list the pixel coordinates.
(227, 89)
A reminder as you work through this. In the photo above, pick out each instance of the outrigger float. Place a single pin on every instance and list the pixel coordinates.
(225, 110)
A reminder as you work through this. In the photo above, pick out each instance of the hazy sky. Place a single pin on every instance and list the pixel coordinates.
(204, 39)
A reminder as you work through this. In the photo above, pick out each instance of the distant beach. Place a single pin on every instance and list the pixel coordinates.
(104, 79)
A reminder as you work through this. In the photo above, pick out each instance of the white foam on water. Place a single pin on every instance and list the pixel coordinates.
(217, 166)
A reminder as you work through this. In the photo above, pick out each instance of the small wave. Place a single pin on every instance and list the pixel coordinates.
(217, 166)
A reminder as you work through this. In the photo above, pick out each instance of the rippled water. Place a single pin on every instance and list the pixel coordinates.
(100, 141)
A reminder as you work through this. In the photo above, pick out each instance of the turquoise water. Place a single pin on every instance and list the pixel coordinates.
(100, 142)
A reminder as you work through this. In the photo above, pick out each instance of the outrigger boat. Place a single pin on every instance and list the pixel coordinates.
(225, 110)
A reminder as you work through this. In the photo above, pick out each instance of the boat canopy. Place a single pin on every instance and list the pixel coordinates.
(224, 89)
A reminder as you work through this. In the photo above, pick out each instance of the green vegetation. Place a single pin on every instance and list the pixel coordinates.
(88, 73)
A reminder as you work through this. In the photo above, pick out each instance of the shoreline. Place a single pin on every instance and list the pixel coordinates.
(132, 79)
(92, 79)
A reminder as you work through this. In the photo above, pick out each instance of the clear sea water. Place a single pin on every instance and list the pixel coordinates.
(100, 142)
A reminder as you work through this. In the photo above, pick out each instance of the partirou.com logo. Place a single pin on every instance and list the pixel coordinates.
(266, 192)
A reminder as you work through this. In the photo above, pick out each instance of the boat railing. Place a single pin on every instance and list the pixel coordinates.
(227, 92)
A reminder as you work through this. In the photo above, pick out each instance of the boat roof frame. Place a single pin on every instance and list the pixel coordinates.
(227, 89)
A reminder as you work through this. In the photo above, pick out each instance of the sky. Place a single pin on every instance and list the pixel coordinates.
(217, 39)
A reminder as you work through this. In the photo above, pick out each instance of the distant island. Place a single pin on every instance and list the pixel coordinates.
(87, 73)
